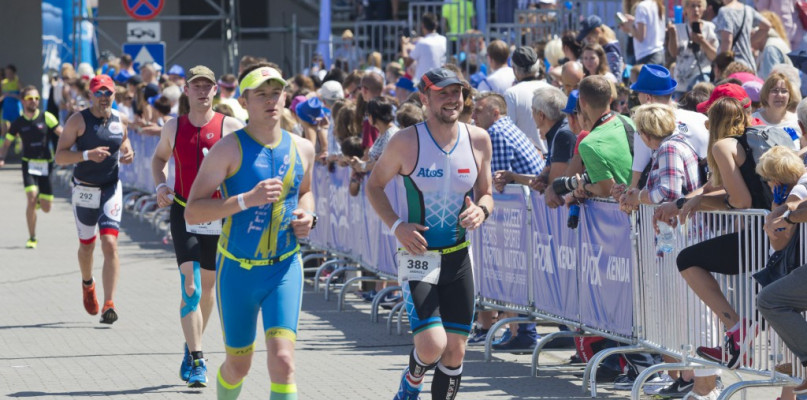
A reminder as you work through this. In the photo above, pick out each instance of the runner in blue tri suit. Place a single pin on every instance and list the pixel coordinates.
(443, 164)
(264, 174)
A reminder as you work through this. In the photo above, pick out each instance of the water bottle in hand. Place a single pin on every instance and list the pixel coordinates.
(665, 240)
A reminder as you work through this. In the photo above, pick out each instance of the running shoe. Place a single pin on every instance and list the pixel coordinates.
(186, 366)
(31, 244)
(678, 389)
(659, 382)
(90, 302)
(506, 336)
(406, 391)
(519, 344)
(369, 295)
(109, 315)
(713, 395)
(478, 337)
(198, 374)
(624, 382)
(736, 350)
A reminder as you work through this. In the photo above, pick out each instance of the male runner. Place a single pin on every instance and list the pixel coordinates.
(188, 138)
(442, 164)
(33, 128)
(265, 177)
(99, 134)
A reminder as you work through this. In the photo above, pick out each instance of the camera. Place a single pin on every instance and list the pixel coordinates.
(567, 184)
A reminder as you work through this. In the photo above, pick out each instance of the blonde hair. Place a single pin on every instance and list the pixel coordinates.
(774, 79)
(655, 120)
(553, 51)
(780, 164)
(727, 117)
(287, 120)
(374, 59)
(701, 2)
(776, 26)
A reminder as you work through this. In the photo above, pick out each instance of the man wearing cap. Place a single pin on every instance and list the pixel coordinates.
(441, 162)
(99, 135)
(656, 86)
(404, 88)
(264, 174)
(176, 74)
(330, 93)
(529, 75)
(188, 138)
(227, 85)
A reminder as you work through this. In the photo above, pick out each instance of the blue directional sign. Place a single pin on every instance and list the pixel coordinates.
(145, 52)
(143, 9)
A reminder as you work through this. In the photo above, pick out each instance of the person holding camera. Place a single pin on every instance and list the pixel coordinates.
(607, 150)
(694, 46)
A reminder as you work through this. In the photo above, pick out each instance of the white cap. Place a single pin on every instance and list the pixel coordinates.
(331, 91)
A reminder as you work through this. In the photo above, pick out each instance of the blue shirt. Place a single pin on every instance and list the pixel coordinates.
(512, 151)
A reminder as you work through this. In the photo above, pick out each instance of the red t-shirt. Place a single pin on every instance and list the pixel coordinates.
(580, 138)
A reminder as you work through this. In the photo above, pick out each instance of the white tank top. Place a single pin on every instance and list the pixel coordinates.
(435, 190)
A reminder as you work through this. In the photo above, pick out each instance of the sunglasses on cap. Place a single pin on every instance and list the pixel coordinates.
(31, 98)
(103, 93)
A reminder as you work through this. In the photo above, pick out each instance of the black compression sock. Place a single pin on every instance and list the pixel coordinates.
(197, 355)
(446, 382)
(416, 367)
(87, 283)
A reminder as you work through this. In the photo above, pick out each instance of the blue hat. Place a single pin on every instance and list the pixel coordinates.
(587, 25)
(405, 83)
(654, 80)
(310, 110)
(571, 103)
(122, 77)
(176, 69)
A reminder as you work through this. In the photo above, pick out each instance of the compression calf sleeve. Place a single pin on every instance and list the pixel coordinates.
(283, 391)
(446, 382)
(416, 367)
(227, 391)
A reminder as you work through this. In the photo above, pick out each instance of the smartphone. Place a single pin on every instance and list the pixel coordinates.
(696, 27)
(621, 18)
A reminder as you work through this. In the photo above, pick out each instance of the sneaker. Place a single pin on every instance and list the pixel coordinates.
(506, 336)
(518, 344)
(478, 337)
(198, 374)
(655, 385)
(405, 390)
(30, 244)
(186, 366)
(623, 382)
(390, 301)
(711, 396)
(678, 389)
(738, 345)
(90, 301)
(369, 296)
(109, 315)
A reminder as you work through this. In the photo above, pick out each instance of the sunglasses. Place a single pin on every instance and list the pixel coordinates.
(31, 98)
(103, 93)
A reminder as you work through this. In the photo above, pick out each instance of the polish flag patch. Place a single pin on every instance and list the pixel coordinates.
(464, 171)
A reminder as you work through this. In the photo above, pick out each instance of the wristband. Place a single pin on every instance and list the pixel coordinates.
(241, 202)
(86, 155)
(157, 189)
(395, 225)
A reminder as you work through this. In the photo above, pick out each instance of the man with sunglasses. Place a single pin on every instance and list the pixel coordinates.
(264, 174)
(34, 129)
(188, 139)
(99, 134)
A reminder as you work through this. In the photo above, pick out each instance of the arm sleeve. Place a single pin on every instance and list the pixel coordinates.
(641, 153)
(596, 165)
(51, 121)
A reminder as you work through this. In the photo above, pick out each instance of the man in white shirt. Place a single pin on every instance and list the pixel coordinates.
(428, 52)
(528, 73)
(500, 76)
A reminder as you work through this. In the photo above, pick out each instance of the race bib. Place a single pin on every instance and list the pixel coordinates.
(87, 197)
(423, 268)
(207, 228)
(38, 167)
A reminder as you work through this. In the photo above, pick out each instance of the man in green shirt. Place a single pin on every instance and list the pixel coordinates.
(459, 15)
(606, 151)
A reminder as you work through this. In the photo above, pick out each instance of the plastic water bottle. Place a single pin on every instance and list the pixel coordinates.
(665, 240)
(574, 216)
(679, 14)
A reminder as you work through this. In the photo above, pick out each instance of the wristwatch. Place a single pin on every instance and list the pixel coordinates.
(485, 211)
(786, 217)
(680, 202)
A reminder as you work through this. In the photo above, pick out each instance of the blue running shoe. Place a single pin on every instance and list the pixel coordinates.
(406, 391)
(187, 364)
(198, 376)
(506, 336)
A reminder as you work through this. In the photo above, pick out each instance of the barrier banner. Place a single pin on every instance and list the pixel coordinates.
(338, 201)
(137, 175)
(319, 236)
(555, 257)
(501, 247)
(606, 292)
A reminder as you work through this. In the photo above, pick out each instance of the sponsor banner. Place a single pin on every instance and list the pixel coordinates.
(606, 292)
(137, 175)
(338, 210)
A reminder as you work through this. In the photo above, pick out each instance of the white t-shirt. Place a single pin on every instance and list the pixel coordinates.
(790, 124)
(429, 52)
(498, 81)
(687, 62)
(800, 190)
(519, 109)
(691, 125)
(647, 13)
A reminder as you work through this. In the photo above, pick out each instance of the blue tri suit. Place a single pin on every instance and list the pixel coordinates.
(258, 261)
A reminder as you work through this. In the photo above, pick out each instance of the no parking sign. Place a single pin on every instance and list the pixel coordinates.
(143, 9)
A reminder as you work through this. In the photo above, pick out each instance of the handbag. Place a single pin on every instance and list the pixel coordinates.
(780, 263)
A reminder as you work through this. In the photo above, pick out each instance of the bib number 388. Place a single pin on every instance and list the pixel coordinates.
(423, 268)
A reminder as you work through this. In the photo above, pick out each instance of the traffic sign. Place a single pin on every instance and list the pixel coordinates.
(145, 52)
(143, 9)
(142, 32)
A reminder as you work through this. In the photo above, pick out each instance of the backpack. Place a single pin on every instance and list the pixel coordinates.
(755, 141)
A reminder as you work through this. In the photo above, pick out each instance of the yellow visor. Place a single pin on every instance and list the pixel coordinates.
(259, 76)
